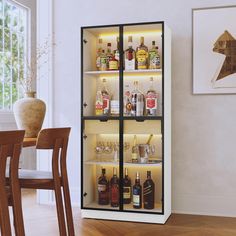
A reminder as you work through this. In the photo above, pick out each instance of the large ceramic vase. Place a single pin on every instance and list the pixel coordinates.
(29, 114)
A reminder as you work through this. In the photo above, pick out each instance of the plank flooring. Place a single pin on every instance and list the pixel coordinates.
(42, 221)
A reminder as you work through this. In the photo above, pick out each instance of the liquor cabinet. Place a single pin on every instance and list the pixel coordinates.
(126, 122)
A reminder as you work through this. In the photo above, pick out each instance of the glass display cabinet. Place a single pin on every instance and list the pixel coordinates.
(126, 122)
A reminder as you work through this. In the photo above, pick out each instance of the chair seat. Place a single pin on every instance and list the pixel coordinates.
(34, 174)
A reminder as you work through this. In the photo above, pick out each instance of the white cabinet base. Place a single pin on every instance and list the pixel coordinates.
(125, 216)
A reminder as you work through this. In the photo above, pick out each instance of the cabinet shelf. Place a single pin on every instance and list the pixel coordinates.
(113, 163)
(135, 118)
(128, 73)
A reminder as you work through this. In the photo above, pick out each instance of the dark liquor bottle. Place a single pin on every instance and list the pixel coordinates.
(115, 193)
(103, 189)
(137, 193)
(148, 192)
(126, 188)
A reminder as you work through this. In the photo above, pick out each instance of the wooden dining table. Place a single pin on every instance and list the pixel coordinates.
(29, 142)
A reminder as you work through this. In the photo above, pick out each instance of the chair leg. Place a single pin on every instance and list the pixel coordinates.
(69, 216)
(60, 210)
(17, 211)
(5, 224)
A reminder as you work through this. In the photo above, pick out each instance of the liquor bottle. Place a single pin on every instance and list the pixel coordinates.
(137, 193)
(103, 189)
(99, 104)
(134, 152)
(115, 193)
(149, 192)
(142, 55)
(99, 52)
(127, 101)
(105, 98)
(126, 188)
(154, 57)
(130, 56)
(117, 52)
(109, 54)
(151, 100)
(137, 101)
(103, 61)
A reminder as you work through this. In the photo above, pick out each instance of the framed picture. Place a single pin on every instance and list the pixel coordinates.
(214, 50)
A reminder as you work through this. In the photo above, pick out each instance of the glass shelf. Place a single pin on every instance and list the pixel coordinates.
(131, 72)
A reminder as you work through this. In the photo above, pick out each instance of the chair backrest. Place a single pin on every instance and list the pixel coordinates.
(10, 146)
(49, 138)
(55, 139)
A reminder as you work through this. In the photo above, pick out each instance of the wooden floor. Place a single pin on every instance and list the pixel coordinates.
(42, 221)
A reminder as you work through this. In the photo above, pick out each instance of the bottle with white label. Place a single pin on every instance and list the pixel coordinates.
(151, 100)
(130, 56)
(137, 193)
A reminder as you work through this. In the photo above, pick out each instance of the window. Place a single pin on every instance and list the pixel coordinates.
(13, 51)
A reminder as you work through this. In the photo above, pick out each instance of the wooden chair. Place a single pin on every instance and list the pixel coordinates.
(57, 141)
(10, 147)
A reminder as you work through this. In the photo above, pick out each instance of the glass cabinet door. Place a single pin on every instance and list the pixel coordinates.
(100, 71)
(101, 164)
(142, 190)
(142, 82)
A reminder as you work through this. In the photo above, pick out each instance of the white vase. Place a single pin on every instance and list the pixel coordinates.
(29, 114)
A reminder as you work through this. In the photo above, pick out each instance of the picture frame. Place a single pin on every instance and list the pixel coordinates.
(214, 50)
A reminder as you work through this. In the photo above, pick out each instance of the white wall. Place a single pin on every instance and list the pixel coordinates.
(204, 161)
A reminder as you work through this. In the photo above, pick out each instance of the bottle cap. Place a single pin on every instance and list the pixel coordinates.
(148, 173)
(153, 43)
(109, 45)
(151, 78)
(137, 175)
(104, 80)
(142, 39)
(103, 170)
(126, 171)
(100, 40)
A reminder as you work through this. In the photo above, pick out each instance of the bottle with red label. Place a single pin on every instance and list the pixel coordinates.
(105, 98)
(115, 192)
(151, 100)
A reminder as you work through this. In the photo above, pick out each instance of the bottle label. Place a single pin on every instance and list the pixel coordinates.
(98, 108)
(126, 192)
(151, 102)
(98, 62)
(154, 60)
(142, 59)
(103, 63)
(113, 65)
(115, 194)
(102, 187)
(136, 200)
(105, 100)
(130, 64)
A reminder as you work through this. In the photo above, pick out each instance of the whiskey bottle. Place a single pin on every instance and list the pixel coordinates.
(126, 188)
(109, 54)
(105, 98)
(115, 193)
(142, 55)
(103, 189)
(151, 100)
(149, 192)
(99, 104)
(137, 193)
(99, 52)
(154, 57)
(127, 101)
(134, 152)
(103, 61)
(130, 56)
(137, 101)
